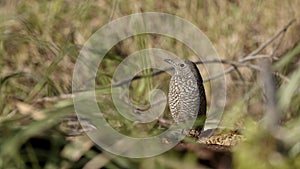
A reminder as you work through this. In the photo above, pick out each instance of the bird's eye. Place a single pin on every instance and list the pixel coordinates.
(181, 65)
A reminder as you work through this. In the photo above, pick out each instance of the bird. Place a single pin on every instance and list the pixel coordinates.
(186, 97)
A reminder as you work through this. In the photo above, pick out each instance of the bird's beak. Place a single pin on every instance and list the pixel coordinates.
(171, 62)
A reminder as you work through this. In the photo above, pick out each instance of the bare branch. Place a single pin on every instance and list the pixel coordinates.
(251, 55)
(274, 37)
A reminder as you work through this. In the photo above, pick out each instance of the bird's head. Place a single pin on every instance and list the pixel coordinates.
(183, 66)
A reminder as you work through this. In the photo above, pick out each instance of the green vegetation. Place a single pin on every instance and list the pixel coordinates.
(39, 45)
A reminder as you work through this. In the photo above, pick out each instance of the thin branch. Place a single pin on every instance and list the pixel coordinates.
(255, 52)
(277, 46)
(257, 57)
(239, 74)
(274, 37)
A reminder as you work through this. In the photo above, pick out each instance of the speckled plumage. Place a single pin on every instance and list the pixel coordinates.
(186, 91)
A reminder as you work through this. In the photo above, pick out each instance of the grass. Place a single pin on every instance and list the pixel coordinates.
(39, 45)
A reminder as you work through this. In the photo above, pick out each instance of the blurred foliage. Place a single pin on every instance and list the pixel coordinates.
(39, 44)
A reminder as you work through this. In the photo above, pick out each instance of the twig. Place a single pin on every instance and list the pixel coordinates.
(277, 47)
(256, 51)
(261, 47)
(234, 64)
(257, 57)
(239, 74)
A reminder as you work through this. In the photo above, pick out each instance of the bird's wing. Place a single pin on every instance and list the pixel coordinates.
(174, 98)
